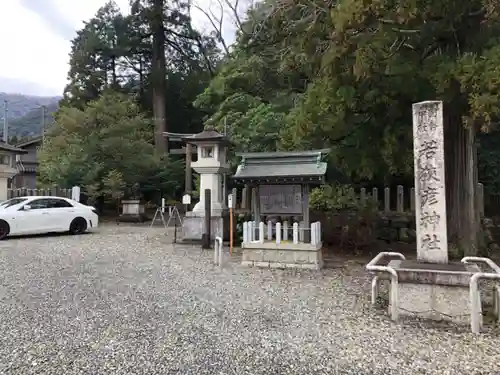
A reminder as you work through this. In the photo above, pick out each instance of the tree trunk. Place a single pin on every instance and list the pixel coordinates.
(158, 74)
(461, 183)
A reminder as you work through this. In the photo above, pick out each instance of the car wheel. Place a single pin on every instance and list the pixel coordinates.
(4, 229)
(78, 226)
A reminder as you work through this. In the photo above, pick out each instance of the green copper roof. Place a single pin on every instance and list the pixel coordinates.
(306, 166)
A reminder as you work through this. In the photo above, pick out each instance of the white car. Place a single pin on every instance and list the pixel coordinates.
(35, 215)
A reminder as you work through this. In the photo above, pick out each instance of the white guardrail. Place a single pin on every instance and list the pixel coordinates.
(476, 319)
(475, 297)
(218, 252)
(254, 232)
(374, 267)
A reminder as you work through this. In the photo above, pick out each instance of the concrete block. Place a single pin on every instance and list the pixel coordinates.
(247, 263)
(436, 302)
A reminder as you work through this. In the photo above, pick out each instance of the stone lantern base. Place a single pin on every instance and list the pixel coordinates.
(194, 222)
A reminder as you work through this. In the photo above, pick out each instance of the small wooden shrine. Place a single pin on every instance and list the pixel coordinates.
(280, 234)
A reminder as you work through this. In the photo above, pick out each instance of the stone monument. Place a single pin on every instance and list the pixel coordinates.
(429, 287)
(211, 164)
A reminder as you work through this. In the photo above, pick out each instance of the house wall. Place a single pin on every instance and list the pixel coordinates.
(27, 179)
(24, 180)
(31, 155)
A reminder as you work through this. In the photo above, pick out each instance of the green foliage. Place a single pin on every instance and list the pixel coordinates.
(106, 148)
(310, 76)
(197, 184)
(334, 197)
(114, 51)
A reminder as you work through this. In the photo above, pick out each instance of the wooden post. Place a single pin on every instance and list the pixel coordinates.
(400, 199)
(362, 197)
(375, 197)
(205, 239)
(387, 199)
(480, 199)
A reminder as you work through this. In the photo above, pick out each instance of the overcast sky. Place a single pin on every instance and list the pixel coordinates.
(35, 38)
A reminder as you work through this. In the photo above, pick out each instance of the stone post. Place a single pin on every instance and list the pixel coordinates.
(430, 194)
(205, 239)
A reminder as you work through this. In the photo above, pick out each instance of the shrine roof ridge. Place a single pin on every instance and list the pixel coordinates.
(297, 165)
(282, 154)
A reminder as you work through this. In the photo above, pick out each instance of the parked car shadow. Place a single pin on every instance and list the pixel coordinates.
(52, 234)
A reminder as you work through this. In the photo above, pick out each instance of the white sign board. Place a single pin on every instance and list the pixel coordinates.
(230, 203)
(280, 199)
(186, 199)
(75, 193)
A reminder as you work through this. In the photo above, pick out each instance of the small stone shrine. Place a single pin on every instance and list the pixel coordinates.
(211, 164)
(430, 287)
(280, 234)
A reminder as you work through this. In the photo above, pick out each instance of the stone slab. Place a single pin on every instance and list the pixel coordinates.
(448, 274)
(435, 302)
(282, 258)
(284, 245)
(131, 218)
(192, 228)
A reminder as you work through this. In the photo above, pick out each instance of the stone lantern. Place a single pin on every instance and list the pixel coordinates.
(211, 165)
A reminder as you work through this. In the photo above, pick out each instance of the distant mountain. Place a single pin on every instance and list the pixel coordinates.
(30, 124)
(25, 113)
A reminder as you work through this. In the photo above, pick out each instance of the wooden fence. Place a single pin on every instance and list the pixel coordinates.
(52, 192)
(401, 200)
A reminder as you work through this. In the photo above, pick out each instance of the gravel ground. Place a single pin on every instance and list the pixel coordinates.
(125, 301)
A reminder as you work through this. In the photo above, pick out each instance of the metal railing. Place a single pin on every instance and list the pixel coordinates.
(254, 232)
(476, 320)
(218, 252)
(475, 297)
(394, 295)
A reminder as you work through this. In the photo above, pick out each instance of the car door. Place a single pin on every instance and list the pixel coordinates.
(34, 220)
(61, 213)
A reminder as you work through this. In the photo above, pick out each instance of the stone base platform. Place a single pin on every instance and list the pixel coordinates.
(434, 291)
(284, 255)
(193, 224)
(132, 218)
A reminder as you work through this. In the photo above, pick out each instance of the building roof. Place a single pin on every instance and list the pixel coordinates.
(15, 150)
(30, 142)
(176, 137)
(207, 135)
(282, 167)
(27, 166)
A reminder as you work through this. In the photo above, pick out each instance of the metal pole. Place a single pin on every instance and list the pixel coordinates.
(224, 176)
(5, 123)
(189, 173)
(43, 123)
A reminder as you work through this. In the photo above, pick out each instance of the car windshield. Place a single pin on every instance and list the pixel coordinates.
(12, 202)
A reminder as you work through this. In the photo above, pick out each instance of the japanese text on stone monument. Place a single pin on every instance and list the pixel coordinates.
(429, 182)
